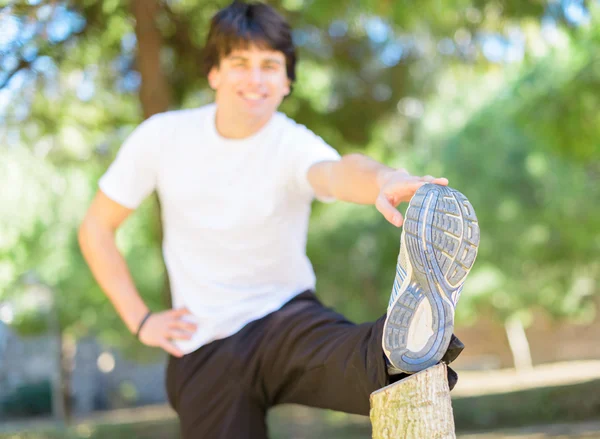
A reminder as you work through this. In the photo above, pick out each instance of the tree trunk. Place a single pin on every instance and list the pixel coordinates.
(67, 349)
(416, 407)
(519, 345)
(59, 387)
(155, 92)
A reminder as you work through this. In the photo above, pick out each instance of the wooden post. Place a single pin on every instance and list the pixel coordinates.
(416, 407)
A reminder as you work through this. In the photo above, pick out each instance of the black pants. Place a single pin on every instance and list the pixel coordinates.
(303, 353)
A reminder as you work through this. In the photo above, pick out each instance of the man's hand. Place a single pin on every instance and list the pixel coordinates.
(399, 186)
(163, 327)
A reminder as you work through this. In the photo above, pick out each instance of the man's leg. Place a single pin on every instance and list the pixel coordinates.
(325, 361)
(205, 390)
(309, 354)
(303, 353)
(313, 356)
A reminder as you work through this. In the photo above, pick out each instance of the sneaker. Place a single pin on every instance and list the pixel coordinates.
(438, 246)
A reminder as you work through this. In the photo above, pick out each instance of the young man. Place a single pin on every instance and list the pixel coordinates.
(236, 180)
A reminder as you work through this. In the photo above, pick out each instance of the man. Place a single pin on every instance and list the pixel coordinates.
(236, 180)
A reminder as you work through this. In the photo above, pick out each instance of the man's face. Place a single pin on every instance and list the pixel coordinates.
(250, 82)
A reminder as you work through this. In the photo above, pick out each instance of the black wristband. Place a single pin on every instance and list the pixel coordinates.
(137, 334)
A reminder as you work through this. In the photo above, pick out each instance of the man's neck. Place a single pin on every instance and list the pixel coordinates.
(237, 128)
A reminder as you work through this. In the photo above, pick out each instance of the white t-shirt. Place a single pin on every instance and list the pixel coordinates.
(235, 212)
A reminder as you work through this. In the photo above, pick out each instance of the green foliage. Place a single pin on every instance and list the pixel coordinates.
(530, 169)
(353, 250)
(532, 176)
(520, 140)
(39, 250)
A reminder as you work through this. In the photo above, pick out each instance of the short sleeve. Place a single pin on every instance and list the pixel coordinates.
(308, 149)
(133, 174)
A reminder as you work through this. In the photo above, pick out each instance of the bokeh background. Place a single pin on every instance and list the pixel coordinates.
(501, 97)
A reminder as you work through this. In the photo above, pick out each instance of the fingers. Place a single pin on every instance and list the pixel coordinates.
(164, 327)
(183, 325)
(435, 180)
(412, 187)
(171, 348)
(180, 325)
(402, 189)
(386, 208)
(178, 328)
(176, 334)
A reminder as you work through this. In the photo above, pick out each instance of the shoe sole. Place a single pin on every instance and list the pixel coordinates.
(440, 237)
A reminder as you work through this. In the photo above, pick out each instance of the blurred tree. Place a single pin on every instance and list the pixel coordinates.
(354, 56)
(522, 143)
(529, 159)
(76, 76)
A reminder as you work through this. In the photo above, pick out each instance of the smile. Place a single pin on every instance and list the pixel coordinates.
(254, 97)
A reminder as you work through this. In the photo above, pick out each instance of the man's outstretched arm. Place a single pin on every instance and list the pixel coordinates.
(359, 179)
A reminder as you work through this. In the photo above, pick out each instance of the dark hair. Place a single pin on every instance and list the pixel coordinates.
(241, 24)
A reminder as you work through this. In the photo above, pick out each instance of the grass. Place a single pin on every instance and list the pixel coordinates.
(538, 406)
(163, 429)
(542, 405)
(287, 422)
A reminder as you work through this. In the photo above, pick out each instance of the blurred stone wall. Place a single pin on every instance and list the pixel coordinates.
(123, 383)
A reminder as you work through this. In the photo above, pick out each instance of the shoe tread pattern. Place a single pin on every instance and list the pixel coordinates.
(441, 239)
